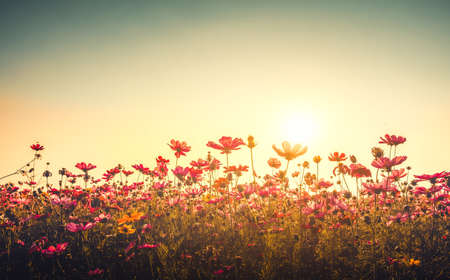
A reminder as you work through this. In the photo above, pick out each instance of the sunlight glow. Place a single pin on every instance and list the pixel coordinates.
(299, 128)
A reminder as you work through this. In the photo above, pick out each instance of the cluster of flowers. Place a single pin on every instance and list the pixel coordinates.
(191, 218)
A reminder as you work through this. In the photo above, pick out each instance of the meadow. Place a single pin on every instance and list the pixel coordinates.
(202, 219)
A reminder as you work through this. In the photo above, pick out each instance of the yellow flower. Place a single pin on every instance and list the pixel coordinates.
(126, 229)
(207, 197)
(125, 219)
(251, 142)
(413, 262)
(317, 159)
(288, 152)
(136, 215)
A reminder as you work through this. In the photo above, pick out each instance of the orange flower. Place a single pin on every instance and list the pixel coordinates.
(136, 215)
(317, 159)
(124, 219)
(288, 152)
(274, 162)
(337, 157)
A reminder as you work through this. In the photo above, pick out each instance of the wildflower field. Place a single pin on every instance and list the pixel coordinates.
(202, 219)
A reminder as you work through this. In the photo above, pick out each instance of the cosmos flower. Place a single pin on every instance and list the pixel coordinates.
(73, 227)
(227, 144)
(37, 147)
(199, 164)
(431, 177)
(337, 157)
(358, 170)
(126, 229)
(288, 152)
(397, 174)
(317, 159)
(274, 163)
(85, 167)
(392, 140)
(141, 168)
(96, 271)
(180, 172)
(180, 148)
(386, 163)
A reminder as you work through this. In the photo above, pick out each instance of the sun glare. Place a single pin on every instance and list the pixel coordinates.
(299, 129)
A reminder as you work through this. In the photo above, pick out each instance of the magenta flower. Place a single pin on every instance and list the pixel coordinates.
(52, 250)
(73, 227)
(434, 176)
(37, 147)
(159, 185)
(85, 167)
(392, 140)
(180, 172)
(96, 271)
(384, 162)
(146, 245)
(141, 168)
(377, 188)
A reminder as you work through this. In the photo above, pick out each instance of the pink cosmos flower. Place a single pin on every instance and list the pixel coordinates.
(102, 218)
(377, 188)
(180, 172)
(358, 170)
(199, 164)
(392, 140)
(52, 250)
(159, 185)
(146, 245)
(85, 167)
(180, 148)
(434, 176)
(322, 184)
(96, 271)
(384, 162)
(73, 227)
(37, 147)
(397, 174)
(141, 168)
(227, 144)
(214, 165)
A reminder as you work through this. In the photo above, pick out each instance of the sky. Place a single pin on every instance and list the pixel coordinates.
(111, 82)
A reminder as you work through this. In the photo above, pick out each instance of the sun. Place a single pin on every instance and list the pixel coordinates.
(299, 128)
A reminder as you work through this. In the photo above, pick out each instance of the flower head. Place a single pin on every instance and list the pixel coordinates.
(85, 167)
(227, 144)
(386, 163)
(180, 172)
(126, 229)
(37, 147)
(288, 152)
(180, 148)
(337, 156)
(274, 163)
(251, 142)
(317, 159)
(358, 170)
(392, 140)
(377, 152)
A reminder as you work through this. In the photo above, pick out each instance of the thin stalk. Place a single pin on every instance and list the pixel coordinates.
(253, 168)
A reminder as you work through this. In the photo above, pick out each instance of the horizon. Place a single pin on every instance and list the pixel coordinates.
(109, 84)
